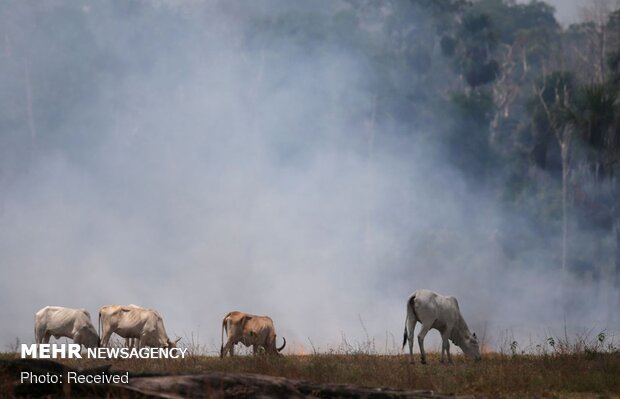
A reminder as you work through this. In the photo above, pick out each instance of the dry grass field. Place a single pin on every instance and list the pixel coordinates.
(496, 375)
(573, 375)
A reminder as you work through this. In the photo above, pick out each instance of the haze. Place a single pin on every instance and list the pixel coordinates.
(186, 159)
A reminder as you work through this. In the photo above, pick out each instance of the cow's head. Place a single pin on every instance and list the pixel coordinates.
(171, 344)
(471, 347)
(271, 345)
(87, 336)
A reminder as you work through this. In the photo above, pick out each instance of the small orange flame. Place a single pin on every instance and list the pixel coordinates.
(296, 349)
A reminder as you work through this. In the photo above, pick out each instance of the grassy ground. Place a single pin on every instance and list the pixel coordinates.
(497, 375)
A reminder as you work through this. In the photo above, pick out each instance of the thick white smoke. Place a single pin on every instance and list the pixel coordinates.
(217, 166)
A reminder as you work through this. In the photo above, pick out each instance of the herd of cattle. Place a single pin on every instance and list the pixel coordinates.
(145, 327)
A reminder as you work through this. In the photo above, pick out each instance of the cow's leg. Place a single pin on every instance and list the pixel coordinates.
(411, 328)
(105, 336)
(445, 346)
(46, 338)
(142, 340)
(411, 321)
(425, 329)
(77, 338)
(39, 333)
(229, 347)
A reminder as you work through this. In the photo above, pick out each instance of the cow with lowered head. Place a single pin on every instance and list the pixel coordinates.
(250, 330)
(144, 325)
(442, 313)
(59, 322)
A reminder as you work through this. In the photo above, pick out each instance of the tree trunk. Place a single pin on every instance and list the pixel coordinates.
(615, 266)
(565, 147)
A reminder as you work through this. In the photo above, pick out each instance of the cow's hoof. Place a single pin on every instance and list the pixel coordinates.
(423, 362)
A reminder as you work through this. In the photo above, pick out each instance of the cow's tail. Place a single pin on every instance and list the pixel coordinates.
(283, 345)
(99, 330)
(405, 334)
(224, 328)
(410, 302)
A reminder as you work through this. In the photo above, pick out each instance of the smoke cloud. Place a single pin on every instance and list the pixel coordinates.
(205, 164)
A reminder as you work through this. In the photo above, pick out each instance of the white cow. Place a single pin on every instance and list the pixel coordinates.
(145, 325)
(65, 322)
(442, 313)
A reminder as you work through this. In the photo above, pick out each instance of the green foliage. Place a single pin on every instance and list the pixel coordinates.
(510, 18)
(467, 137)
(448, 46)
(549, 106)
(475, 107)
(593, 112)
(480, 74)
(478, 27)
(472, 49)
(557, 88)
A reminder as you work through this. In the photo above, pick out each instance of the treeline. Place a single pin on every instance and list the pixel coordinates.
(539, 103)
(525, 108)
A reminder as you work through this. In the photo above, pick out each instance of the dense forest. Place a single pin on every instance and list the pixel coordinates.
(525, 110)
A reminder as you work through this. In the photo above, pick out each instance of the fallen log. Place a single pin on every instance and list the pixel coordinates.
(212, 384)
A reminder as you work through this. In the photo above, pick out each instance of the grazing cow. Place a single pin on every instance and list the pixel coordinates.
(65, 322)
(249, 330)
(443, 314)
(145, 325)
(133, 342)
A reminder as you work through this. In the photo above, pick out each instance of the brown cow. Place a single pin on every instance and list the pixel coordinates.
(249, 330)
(133, 342)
